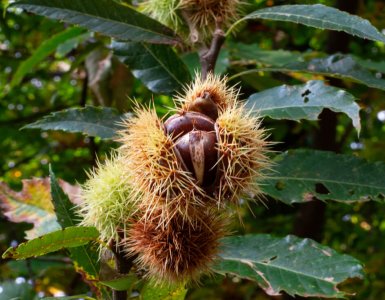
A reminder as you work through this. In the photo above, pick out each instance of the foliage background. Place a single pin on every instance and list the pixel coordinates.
(61, 81)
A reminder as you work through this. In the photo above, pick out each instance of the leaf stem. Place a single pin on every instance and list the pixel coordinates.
(208, 57)
(123, 265)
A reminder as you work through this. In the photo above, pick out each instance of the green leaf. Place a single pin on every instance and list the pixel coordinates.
(252, 53)
(304, 102)
(371, 64)
(301, 175)
(319, 16)
(78, 297)
(64, 208)
(337, 65)
(157, 66)
(151, 292)
(104, 16)
(37, 266)
(297, 266)
(64, 48)
(54, 241)
(86, 261)
(85, 258)
(92, 121)
(45, 49)
(121, 283)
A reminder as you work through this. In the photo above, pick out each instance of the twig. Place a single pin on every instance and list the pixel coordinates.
(208, 57)
(123, 265)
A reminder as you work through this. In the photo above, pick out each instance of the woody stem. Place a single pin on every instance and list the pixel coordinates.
(208, 57)
(123, 266)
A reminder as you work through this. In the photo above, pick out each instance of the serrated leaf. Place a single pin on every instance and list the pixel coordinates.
(45, 49)
(64, 208)
(86, 262)
(157, 66)
(54, 241)
(304, 101)
(85, 258)
(121, 283)
(252, 53)
(33, 204)
(104, 16)
(297, 266)
(151, 292)
(301, 175)
(337, 66)
(318, 16)
(93, 121)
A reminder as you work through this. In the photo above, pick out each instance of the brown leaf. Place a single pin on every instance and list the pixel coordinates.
(33, 204)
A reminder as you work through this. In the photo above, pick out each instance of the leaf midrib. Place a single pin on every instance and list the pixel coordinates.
(41, 249)
(296, 106)
(326, 180)
(40, 125)
(354, 30)
(171, 38)
(269, 265)
(299, 16)
(161, 63)
(61, 202)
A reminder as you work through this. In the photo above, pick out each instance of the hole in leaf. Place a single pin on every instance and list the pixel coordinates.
(306, 93)
(267, 261)
(273, 258)
(321, 189)
(280, 185)
(306, 100)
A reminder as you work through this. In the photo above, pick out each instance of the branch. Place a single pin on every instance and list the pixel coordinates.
(208, 57)
(123, 265)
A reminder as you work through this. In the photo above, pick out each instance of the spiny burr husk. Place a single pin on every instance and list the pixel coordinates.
(208, 96)
(205, 15)
(153, 165)
(243, 152)
(165, 11)
(106, 202)
(179, 252)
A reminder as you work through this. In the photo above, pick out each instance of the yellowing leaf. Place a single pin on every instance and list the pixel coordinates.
(33, 205)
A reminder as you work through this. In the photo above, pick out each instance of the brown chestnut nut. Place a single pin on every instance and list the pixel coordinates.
(195, 144)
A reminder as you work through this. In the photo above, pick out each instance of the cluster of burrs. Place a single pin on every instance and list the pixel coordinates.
(169, 186)
(199, 17)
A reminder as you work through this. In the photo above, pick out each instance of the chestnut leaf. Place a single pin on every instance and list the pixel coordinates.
(86, 257)
(158, 67)
(291, 264)
(340, 66)
(318, 16)
(54, 241)
(302, 175)
(92, 121)
(304, 102)
(103, 16)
